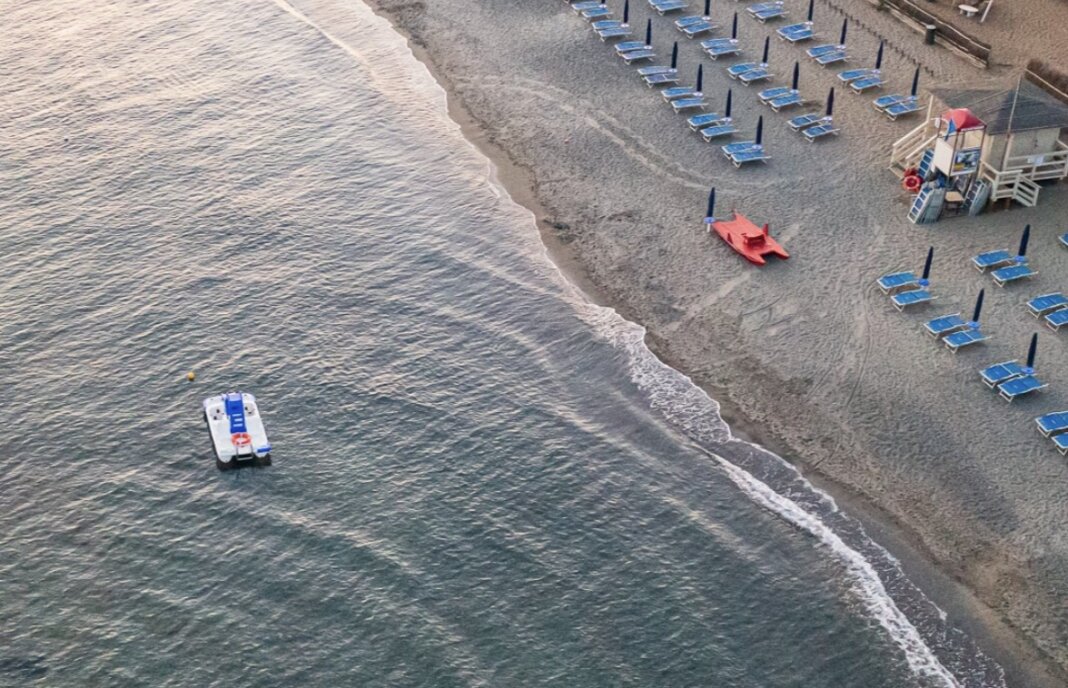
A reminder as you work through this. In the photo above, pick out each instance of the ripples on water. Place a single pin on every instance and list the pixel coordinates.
(479, 479)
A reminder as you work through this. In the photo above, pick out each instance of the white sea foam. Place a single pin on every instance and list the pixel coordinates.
(687, 406)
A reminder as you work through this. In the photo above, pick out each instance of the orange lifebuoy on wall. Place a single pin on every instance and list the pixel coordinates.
(240, 439)
(912, 183)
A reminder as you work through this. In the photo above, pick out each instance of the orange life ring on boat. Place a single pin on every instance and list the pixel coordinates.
(912, 183)
(240, 439)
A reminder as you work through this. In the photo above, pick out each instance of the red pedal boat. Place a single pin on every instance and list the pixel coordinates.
(743, 236)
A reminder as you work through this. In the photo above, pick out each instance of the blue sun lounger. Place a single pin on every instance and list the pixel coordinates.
(754, 75)
(1003, 276)
(903, 299)
(807, 120)
(796, 35)
(1057, 319)
(1047, 303)
(603, 24)
(939, 327)
(718, 131)
(636, 55)
(819, 131)
(897, 280)
(735, 71)
(689, 21)
(695, 30)
(1001, 372)
(596, 13)
(788, 100)
(749, 155)
(905, 107)
(962, 338)
(724, 49)
(830, 58)
(661, 79)
(615, 32)
(883, 102)
(732, 148)
(771, 13)
(1052, 423)
(630, 46)
(817, 50)
(866, 83)
(674, 92)
(991, 259)
(1061, 442)
(666, 6)
(705, 119)
(854, 74)
(763, 6)
(769, 94)
(1019, 386)
(1063, 239)
(656, 69)
(580, 7)
(683, 104)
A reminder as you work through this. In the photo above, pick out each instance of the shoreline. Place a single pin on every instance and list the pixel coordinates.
(1024, 663)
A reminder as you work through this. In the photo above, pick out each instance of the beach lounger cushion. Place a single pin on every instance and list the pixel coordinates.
(1061, 442)
(789, 100)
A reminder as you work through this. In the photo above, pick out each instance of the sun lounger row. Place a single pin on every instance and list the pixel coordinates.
(1055, 426)
(1053, 308)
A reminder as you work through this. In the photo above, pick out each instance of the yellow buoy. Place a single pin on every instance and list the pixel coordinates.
(190, 376)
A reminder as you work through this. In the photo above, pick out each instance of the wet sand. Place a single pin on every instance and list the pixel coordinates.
(807, 356)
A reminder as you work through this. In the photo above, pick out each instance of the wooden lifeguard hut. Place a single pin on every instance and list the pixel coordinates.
(988, 145)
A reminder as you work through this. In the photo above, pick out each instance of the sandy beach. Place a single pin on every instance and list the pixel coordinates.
(808, 356)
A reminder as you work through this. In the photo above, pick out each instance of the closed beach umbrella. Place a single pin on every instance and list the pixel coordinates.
(626, 12)
(675, 55)
(708, 8)
(727, 112)
(1023, 241)
(700, 79)
(830, 102)
(924, 281)
(915, 82)
(797, 73)
(811, 8)
(734, 27)
(710, 214)
(760, 129)
(978, 308)
(764, 60)
(841, 39)
(648, 33)
(1031, 350)
(879, 56)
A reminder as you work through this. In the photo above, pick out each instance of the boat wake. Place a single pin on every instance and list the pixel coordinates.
(936, 654)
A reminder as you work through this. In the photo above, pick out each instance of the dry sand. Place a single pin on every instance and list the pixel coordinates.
(808, 353)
